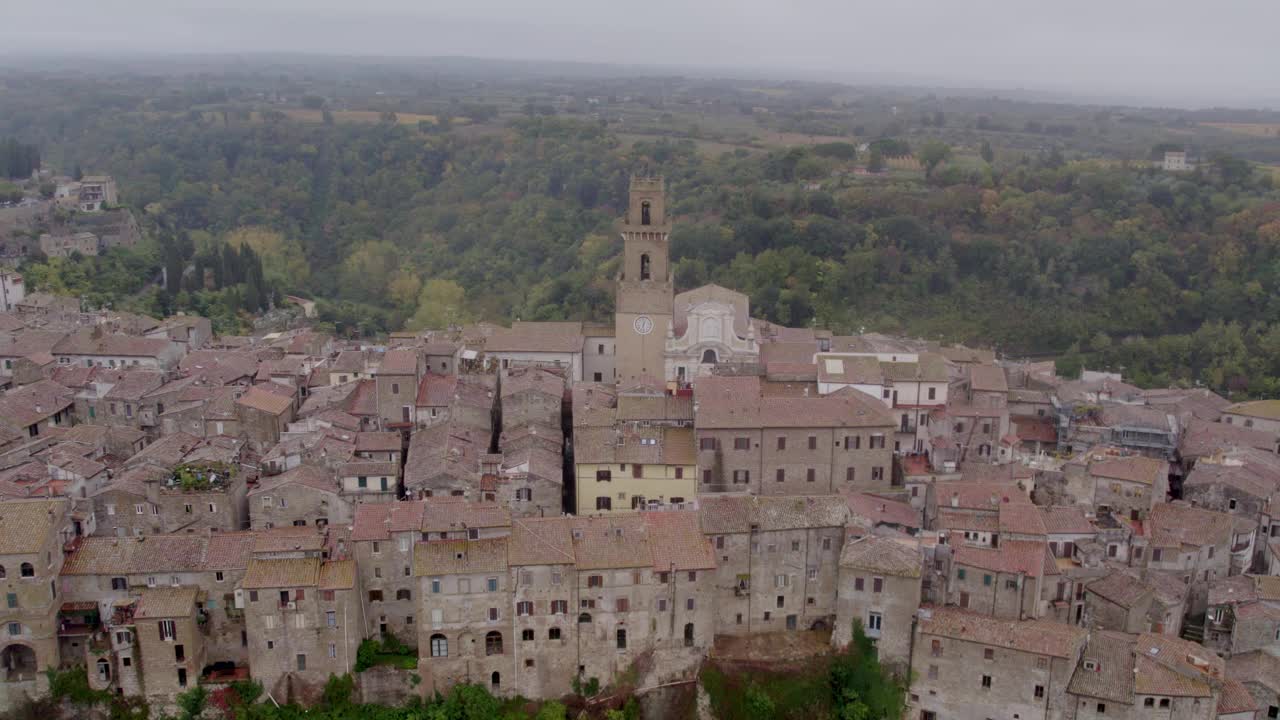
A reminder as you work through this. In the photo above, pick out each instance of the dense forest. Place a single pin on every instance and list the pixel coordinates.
(1170, 277)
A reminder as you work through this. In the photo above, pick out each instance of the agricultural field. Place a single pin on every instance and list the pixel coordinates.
(1267, 130)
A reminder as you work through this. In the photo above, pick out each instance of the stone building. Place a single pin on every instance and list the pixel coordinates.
(777, 560)
(369, 481)
(879, 588)
(1201, 545)
(1119, 601)
(1143, 676)
(169, 632)
(1256, 414)
(1243, 615)
(303, 617)
(305, 495)
(966, 664)
(382, 538)
(531, 395)
(263, 416)
(1259, 672)
(396, 383)
(32, 536)
(769, 445)
(1119, 483)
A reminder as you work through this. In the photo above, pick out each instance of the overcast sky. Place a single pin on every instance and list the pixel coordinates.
(1179, 52)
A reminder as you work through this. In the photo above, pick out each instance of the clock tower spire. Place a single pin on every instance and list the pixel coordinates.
(644, 304)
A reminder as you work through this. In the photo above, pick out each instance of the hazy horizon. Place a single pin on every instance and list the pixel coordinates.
(1177, 53)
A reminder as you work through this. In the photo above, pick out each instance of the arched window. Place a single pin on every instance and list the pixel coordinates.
(439, 646)
(104, 670)
(644, 212)
(708, 357)
(584, 618)
(28, 570)
(403, 594)
(688, 635)
(495, 679)
(493, 643)
(644, 266)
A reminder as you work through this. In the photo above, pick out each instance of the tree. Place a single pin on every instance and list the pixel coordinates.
(440, 305)
(875, 160)
(986, 152)
(284, 264)
(932, 154)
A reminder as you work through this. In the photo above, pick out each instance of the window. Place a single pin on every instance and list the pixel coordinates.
(986, 682)
(623, 604)
(439, 646)
(877, 472)
(330, 618)
(1164, 702)
(935, 648)
(858, 584)
(1102, 708)
(933, 393)
(986, 580)
(403, 594)
(604, 502)
(526, 635)
(782, 443)
(933, 672)
(741, 476)
(604, 476)
(1156, 555)
(849, 474)
(742, 443)
(139, 509)
(1039, 692)
(493, 643)
(874, 622)
(375, 596)
(168, 630)
(491, 584)
(493, 614)
(302, 662)
(559, 607)
(524, 607)
(117, 583)
(960, 573)
(622, 638)
(706, 443)
(988, 654)
(810, 475)
(595, 581)
(780, 475)
(111, 509)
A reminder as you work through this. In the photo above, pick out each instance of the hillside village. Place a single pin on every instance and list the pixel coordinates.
(532, 506)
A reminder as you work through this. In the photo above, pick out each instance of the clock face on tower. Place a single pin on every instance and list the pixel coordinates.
(643, 325)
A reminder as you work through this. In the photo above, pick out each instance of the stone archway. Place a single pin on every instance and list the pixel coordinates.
(18, 663)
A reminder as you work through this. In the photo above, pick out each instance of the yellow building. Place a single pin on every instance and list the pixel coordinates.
(632, 450)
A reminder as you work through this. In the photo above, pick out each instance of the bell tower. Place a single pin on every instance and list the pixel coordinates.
(644, 302)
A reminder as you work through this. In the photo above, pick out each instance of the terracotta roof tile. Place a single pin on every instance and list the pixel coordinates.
(886, 556)
(281, 573)
(1135, 469)
(541, 541)
(449, 557)
(1021, 519)
(1013, 556)
(677, 542)
(1066, 520)
(1120, 588)
(166, 602)
(25, 524)
(1040, 637)
(265, 401)
(337, 575)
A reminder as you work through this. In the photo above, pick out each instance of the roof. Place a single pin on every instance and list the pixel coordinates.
(611, 541)
(1234, 697)
(987, 378)
(26, 524)
(1113, 679)
(337, 575)
(1120, 588)
(175, 552)
(883, 511)
(1135, 469)
(92, 342)
(378, 442)
(166, 602)
(978, 495)
(449, 557)
(724, 514)
(399, 361)
(29, 404)
(436, 390)
(281, 573)
(541, 541)
(886, 556)
(1040, 637)
(1205, 438)
(1173, 524)
(722, 402)
(1263, 409)
(677, 542)
(1021, 519)
(266, 401)
(1172, 666)
(1012, 557)
(530, 337)
(1066, 520)
(305, 474)
(376, 521)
